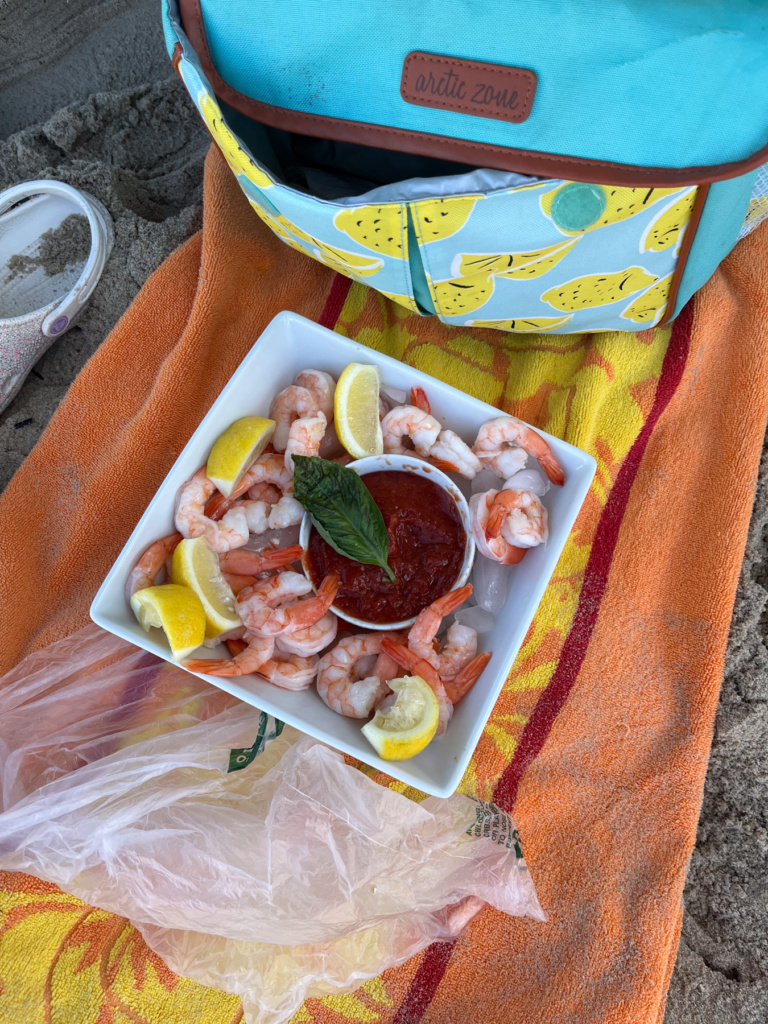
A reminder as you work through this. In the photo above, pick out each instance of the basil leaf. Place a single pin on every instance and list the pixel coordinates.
(342, 510)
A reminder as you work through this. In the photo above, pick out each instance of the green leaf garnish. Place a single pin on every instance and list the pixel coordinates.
(342, 510)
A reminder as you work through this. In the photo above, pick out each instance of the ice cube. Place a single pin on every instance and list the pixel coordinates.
(479, 619)
(490, 580)
(486, 480)
(396, 396)
(528, 480)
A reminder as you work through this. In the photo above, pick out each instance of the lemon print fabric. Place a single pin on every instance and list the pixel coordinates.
(667, 228)
(437, 219)
(555, 257)
(234, 154)
(381, 229)
(649, 307)
(620, 203)
(543, 256)
(597, 289)
(526, 325)
(513, 264)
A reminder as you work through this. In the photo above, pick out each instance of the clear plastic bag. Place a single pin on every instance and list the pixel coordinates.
(297, 876)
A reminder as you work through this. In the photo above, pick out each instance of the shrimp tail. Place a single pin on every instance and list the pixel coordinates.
(236, 647)
(552, 468)
(420, 400)
(496, 518)
(447, 467)
(218, 506)
(406, 658)
(221, 667)
(452, 600)
(252, 562)
(463, 682)
(329, 588)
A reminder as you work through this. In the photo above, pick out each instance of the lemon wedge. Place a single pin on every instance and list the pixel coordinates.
(177, 610)
(194, 565)
(406, 728)
(236, 451)
(356, 410)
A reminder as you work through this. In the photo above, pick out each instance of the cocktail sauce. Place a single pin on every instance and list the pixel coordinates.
(426, 551)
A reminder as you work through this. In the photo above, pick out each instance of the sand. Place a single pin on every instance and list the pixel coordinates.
(87, 96)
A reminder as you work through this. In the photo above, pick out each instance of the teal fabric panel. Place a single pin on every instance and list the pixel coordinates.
(169, 32)
(644, 82)
(418, 277)
(718, 230)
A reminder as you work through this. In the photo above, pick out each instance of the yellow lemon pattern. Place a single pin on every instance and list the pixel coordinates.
(667, 229)
(462, 295)
(348, 263)
(493, 253)
(597, 289)
(436, 219)
(647, 309)
(620, 204)
(514, 264)
(233, 152)
(530, 325)
(379, 228)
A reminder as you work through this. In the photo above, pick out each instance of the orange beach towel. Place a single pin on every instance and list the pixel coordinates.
(601, 736)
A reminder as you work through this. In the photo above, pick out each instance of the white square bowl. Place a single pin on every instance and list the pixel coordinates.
(289, 344)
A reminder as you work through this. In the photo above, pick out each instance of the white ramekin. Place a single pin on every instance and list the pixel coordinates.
(402, 464)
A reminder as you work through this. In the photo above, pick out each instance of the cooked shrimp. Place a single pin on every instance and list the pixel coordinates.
(148, 567)
(267, 482)
(253, 562)
(408, 421)
(452, 453)
(448, 692)
(421, 637)
(291, 404)
(460, 648)
(258, 650)
(289, 671)
(321, 386)
(286, 512)
(502, 444)
(256, 515)
(495, 548)
(336, 682)
(269, 468)
(519, 518)
(418, 666)
(466, 678)
(304, 438)
(274, 605)
(311, 640)
(191, 521)
(419, 399)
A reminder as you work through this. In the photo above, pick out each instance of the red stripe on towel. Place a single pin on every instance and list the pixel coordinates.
(596, 574)
(335, 302)
(437, 956)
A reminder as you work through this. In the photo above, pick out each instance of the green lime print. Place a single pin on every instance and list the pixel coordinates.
(577, 206)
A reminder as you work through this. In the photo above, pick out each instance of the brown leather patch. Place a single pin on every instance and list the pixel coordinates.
(468, 86)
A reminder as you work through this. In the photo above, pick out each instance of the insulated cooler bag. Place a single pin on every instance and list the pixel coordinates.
(530, 165)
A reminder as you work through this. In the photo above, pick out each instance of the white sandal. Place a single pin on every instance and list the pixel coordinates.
(27, 211)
